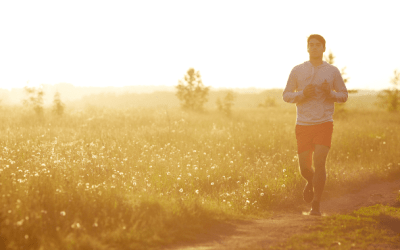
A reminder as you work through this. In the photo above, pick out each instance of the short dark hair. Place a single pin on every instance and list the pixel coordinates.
(318, 37)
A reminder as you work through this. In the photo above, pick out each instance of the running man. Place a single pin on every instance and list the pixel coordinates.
(314, 86)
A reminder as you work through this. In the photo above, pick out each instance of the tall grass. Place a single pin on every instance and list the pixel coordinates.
(142, 178)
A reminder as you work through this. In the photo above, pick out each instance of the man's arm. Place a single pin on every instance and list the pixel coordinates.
(340, 94)
(289, 94)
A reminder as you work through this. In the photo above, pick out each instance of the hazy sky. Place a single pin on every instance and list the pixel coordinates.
(232, 43)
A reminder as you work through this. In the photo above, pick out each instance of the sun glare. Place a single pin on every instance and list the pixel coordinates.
(237, 45)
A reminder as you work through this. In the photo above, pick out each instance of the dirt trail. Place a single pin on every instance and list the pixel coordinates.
(260, 234)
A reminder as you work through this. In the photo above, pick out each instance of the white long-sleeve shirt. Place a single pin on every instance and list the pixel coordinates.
(319, 108)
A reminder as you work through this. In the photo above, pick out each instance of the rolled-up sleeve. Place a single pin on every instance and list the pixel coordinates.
(340, 93)
(289, 94)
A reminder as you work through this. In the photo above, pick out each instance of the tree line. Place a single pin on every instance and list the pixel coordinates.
(193, 94)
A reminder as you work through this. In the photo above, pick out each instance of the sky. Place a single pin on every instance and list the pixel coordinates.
(233, 44)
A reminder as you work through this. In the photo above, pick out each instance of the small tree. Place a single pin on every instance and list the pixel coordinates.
(226, 104)
(390, 98)
(35, 99)
(58, 106)
(330, 58)
(191, 91)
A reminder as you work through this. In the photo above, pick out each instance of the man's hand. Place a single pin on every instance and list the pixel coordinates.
(326, 88)
(309, 91)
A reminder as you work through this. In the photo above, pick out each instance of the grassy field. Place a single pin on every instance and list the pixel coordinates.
(140, 178)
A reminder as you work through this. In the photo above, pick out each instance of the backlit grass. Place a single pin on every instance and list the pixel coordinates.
(142, 178)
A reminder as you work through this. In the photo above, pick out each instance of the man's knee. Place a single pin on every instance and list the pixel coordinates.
(319, 163)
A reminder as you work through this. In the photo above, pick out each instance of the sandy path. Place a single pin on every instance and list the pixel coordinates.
(260, 234)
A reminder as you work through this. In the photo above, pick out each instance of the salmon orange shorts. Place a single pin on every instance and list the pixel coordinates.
(309, 135)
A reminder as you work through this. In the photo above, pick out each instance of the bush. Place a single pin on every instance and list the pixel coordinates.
(35, 99)
(225, 106)
(58, 106)
(268, 102)
(390, 98)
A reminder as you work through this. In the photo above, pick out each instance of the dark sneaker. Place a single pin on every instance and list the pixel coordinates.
(315, 209)
(308, 193)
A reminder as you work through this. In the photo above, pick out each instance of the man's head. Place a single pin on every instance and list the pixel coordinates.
(318, 37)
(316, 46)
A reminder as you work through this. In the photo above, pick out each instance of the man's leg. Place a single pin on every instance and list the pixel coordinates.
(320, 154)
(305, 163)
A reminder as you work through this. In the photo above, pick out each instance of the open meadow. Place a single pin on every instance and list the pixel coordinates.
(142, 178)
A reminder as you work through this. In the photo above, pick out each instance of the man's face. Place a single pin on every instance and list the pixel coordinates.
(315, 48)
